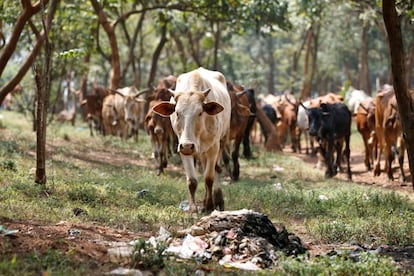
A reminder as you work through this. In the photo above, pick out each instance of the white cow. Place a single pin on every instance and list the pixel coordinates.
(200, 116)
(353, 97)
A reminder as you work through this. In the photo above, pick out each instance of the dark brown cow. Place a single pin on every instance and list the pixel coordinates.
(389, 132)
(92, 105)
(365, 123)
(240, 114)
(161, 133)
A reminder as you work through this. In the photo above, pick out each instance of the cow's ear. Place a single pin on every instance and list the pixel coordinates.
(212, 108)
(164, 109)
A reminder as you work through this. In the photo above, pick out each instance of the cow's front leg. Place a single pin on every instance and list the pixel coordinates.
(188, 163)
(328, 160)
(210, 161)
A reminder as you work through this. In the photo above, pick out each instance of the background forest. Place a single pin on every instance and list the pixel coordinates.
(307, 47)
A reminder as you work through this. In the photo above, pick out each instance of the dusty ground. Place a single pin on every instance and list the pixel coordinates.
(92, 244)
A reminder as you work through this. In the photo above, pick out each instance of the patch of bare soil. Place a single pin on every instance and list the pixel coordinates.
(87, 243)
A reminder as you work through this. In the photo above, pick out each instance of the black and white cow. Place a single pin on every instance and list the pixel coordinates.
(331, 124)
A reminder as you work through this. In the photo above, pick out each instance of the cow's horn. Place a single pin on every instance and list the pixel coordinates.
(241, 93)
(205, 92)
(306, 109)
(171, 91)
(143, 91)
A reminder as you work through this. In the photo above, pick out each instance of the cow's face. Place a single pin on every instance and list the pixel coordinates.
(188, 116)
(315, 120)
(132, 110)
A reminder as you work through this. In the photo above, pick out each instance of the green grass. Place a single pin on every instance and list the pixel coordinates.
(102, 176)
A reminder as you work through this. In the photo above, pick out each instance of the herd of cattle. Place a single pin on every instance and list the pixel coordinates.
(205, 119)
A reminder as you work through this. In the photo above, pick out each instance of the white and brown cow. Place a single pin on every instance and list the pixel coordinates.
(126, 111)
(200, 116)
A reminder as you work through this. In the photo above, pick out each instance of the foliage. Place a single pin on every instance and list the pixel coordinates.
(52, 262)
(368, 264)
(145, 256)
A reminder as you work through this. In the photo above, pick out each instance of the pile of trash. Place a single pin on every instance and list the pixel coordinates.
(241, 239)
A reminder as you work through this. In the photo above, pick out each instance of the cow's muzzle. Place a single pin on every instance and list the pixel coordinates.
(186, 148)
(158, 130)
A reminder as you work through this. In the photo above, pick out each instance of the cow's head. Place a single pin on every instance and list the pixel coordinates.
(318, 116)
(188, 112)
(132, 103)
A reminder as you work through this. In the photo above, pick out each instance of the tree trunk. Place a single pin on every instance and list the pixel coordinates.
(43, 80)
(272, 65)
(157, 53)
(404, 100)
(363, 76)
(40, 177)
(115, 78)
(306, 85)
(410, 63)
(180, 48)
(217, 36)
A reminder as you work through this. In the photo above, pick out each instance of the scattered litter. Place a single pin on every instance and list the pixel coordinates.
(241, 239)
(120, 253)
(322, 197)
(245, 266)
(191, 247)
(184, 205)
(278, 186)
(126, 271)
(74, 232)
(142, 192)
(6, 232)
(277, 168)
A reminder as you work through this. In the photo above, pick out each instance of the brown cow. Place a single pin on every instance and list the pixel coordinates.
(286, 108)
(161, 133)
(110, 117)
(200, 116)
(240, 115)
(92, 105)
(389, 132)
(329, 98)
(122, 111)
(161, 92)
(365, 123)
(133, 106)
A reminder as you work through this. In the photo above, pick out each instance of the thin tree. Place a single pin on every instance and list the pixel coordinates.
(404, 100)
(43, 79)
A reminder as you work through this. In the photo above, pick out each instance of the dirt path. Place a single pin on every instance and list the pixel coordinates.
(361, 175)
